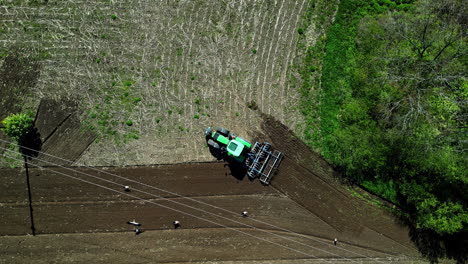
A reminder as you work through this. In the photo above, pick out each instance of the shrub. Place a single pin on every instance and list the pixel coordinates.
(17, 126)
(129, 123)
(196, 116)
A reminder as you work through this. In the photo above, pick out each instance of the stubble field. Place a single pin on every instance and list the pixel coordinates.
(149, 76)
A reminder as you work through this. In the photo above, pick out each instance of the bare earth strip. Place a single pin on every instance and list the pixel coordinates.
(64, 205)
(168, 246)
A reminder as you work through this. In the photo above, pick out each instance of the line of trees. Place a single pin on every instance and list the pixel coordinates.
(393, 106)
(410, 82)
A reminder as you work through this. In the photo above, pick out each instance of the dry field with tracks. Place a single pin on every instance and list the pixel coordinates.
(149, 76)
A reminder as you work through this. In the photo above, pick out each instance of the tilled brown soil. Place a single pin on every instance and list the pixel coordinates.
(168, 246)
(78, 221)
(60, 132)
(310, 181)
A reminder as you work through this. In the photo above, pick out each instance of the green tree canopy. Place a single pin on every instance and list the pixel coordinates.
(411, 79)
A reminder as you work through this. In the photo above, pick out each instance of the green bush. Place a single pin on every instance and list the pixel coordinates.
(17, 126)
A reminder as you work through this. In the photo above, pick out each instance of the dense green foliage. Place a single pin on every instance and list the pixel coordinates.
(392, 110)
(17, 126)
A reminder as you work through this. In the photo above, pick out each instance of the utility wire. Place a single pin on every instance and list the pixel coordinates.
(194, 200)
(189, 214)
(154, 195)
(170, 208)
(194, 207)
(258, 229)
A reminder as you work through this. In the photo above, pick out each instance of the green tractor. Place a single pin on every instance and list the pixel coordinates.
(221, 139)
(259, 160)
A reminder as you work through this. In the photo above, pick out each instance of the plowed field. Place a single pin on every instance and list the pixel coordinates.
(77, 221)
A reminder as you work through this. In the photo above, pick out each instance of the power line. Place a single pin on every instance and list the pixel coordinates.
(154, 195)
(167, 207)
(191, 199)
(192, 206)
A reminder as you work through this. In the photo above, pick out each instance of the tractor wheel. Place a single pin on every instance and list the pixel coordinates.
(213, 144)
(222, 131)
(208, 131)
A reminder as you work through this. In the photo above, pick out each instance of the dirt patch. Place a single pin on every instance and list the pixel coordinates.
(18, 74)
(290, 144)
(307, 179)
(208, 246)
(63, 205)
(61, 132)
(199, 179)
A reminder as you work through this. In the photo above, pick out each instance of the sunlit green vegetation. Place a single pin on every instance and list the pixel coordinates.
(391, 111)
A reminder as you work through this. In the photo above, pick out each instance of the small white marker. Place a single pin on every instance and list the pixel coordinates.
(134, 223)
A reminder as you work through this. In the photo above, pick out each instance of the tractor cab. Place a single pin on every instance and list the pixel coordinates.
(235, 148)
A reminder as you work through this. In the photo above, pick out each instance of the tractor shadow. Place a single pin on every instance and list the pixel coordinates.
(235, 169)
(31, 144)
(217, 153)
